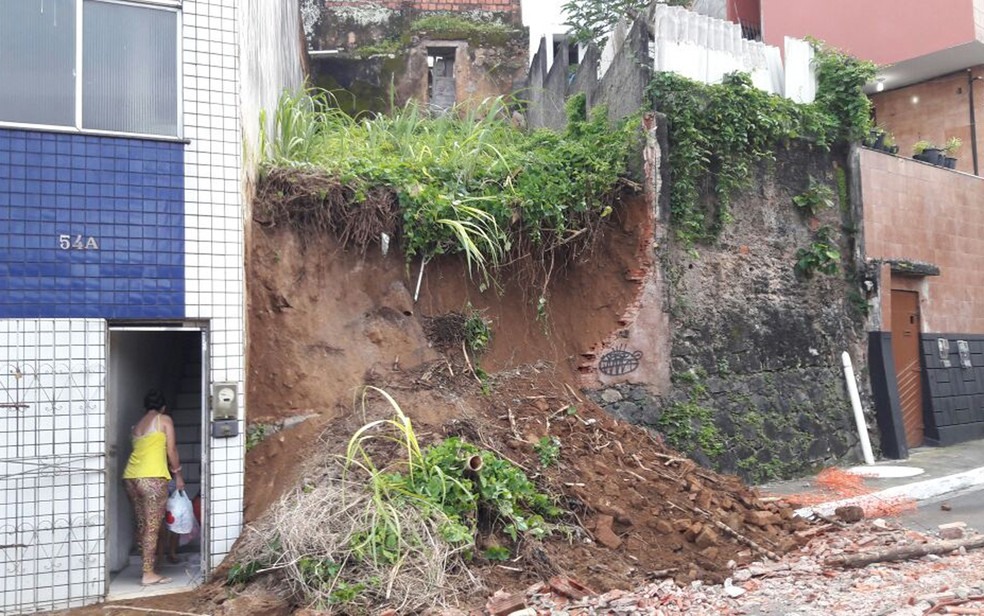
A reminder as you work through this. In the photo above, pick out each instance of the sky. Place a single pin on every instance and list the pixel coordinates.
(541, 11)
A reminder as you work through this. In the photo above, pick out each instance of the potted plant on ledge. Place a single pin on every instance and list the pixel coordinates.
(881, 140)
(949, 152)
(927, 152)
(889, 144)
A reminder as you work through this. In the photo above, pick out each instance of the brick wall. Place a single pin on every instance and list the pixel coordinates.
(935, 111)
(917, 212)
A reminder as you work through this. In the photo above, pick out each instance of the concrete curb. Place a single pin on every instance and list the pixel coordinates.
(918, 491)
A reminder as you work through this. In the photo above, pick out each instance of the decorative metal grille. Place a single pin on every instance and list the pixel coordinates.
(52, 464)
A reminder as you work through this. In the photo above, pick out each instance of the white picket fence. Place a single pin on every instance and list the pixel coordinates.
(706, 49)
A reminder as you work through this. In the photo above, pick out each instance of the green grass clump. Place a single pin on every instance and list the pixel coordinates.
(466, 182)
(391, 522)
(447, 26)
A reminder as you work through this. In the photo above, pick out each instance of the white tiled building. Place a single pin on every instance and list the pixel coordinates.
(121, 270)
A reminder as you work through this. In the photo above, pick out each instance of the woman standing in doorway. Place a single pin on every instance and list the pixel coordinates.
(154, 458)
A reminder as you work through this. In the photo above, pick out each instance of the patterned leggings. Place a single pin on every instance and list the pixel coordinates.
(149, 497)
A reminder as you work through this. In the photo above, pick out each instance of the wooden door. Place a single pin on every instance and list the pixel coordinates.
(908, 372)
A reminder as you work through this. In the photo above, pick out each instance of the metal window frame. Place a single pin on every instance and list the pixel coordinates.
(171, 6)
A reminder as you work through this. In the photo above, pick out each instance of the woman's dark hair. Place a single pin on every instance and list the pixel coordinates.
(154, 400)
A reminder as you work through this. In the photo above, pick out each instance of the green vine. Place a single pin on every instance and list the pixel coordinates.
(816, 197)
(840, 95)
(718, 133)
(821, 256)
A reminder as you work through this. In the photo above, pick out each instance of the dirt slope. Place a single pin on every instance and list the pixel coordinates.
(322, 318)
(323, 322)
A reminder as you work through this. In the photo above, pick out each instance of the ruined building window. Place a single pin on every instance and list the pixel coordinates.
(440, 78)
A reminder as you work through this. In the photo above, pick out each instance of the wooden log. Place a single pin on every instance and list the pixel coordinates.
(952, 607)
(904, 553)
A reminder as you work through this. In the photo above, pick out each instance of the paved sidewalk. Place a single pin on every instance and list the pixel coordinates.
(948, 470)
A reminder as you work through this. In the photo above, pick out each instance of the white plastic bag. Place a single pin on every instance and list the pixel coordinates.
(179, 513)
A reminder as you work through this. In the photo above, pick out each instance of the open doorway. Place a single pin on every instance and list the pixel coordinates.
(172, 359)
(441, 85)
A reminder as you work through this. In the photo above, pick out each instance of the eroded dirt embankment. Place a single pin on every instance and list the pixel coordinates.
(322, 319)
(323, 322)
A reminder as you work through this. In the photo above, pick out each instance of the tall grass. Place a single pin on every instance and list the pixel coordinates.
(468, 181)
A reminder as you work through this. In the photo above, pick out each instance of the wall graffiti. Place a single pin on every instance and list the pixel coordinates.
(619, 362)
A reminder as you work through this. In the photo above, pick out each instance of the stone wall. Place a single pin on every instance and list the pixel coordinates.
(346, 25)
(374, 55)
(756, 386)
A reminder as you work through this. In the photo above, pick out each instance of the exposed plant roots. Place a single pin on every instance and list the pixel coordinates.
(312, 202)
(446, 331)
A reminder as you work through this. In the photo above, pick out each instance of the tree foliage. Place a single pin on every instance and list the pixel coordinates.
(593, 20)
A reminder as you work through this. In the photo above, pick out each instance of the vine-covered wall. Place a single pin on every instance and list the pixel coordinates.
(757, 386)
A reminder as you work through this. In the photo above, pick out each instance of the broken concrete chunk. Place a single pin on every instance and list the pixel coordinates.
(953, 530)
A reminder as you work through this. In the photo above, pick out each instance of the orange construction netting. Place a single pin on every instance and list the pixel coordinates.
(836, 484)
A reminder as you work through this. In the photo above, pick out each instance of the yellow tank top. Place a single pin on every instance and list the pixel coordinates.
(149, 457)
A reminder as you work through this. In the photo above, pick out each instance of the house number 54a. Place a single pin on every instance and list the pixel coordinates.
(77, 242)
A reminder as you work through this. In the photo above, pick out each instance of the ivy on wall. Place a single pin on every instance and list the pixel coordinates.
(718, 133)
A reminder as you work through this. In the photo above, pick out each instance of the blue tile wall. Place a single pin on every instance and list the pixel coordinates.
(121, 204)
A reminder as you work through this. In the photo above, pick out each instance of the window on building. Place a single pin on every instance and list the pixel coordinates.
(125, 80)
(37, 61)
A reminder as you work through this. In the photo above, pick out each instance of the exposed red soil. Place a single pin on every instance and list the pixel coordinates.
(321, 318)
(324, 322)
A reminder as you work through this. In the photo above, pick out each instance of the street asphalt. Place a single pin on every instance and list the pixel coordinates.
(966, 507)
(952, 474)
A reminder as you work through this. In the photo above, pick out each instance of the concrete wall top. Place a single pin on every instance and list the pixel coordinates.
(914, 211)
(883, 31)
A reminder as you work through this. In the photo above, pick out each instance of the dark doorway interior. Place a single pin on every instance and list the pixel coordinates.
(141, 359)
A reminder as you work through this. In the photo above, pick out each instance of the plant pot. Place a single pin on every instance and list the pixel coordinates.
(893, 149)
(933, 156)
(879, 142)
(949, 162)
